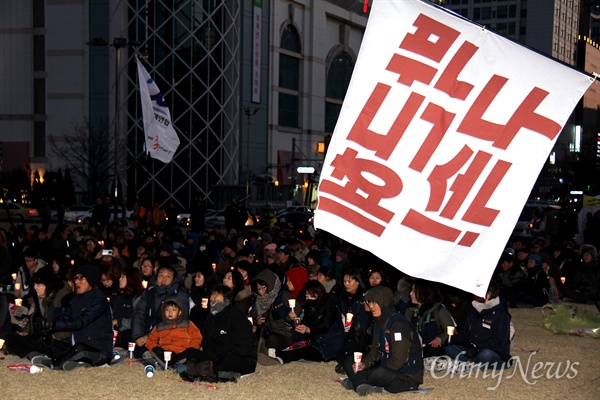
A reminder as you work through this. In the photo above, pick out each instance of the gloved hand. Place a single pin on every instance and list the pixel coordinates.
(20, 311)
(42, 325)
(471, 351)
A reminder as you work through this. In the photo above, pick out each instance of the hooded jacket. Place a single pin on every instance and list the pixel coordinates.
(396, 343)
(147, 312)
(175, 335)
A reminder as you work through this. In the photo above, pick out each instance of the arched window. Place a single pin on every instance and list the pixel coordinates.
(338, 79)
(289, 78)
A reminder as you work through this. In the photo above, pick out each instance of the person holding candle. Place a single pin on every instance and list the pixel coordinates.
(270, 313)
(228, 343)
(319, 335)
(124, 302)
(358, 331)
(202, 284)
(394, 362)
(146, 313)
(430, 317)
(174, 334)
(485, 339)
(50, 291)
(32, 264)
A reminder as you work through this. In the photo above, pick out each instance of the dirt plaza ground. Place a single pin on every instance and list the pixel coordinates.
(563, 367)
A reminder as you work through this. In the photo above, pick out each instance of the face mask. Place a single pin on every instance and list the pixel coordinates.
(218, 306)
(202, 248)
(310, 303)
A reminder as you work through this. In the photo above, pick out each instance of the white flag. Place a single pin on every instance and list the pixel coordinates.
(161, 139)
(442, 134)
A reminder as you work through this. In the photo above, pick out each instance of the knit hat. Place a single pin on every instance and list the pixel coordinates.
(315, 255)
(284, 250)
(271, 247)
(91, 274)
(538, 259)
(381, 295)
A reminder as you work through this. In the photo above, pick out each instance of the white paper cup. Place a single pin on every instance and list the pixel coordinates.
(450, 330)
(14, 277)
(145, 284)
(17, 286)
(357, 356)
(1, 343)
(292, 303)
(204, 302)
(167, 356)
(18, 302)
(131, 346)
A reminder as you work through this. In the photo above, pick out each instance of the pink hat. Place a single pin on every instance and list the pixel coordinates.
(271, 247)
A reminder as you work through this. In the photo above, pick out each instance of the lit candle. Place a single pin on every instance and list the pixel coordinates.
(292, 303)
(214, 267)
(145, 284)
(131, 347)
(204, 302)
(17, 286)
(167, 359)
(251, 321)
(563, 280)
(357, 359)
(18, 302)
(72, 262)
(450, 332)
(14, 276)
(1, 343)
(349, 317)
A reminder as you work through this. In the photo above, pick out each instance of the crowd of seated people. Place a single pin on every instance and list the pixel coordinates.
(223, 302)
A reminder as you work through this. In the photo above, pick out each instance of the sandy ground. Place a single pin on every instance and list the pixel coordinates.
(565, 367)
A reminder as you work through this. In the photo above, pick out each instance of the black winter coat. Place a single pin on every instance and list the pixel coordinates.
(89, 318)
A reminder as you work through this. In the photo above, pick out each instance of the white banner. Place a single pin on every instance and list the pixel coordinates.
(442, 134)
(161, 139)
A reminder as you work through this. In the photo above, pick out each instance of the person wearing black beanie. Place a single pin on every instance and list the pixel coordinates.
(394, 363)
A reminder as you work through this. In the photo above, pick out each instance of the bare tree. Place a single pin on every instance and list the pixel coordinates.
(87, 149)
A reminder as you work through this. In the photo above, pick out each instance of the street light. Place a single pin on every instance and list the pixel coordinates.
(118, 43)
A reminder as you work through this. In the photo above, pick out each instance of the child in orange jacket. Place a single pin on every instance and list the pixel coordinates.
(175, 334)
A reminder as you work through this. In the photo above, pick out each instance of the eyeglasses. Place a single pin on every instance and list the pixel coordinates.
(78, 277)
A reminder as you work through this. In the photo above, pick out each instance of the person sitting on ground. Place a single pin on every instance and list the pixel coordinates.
(88, 318)
(228, 344)
(123, 304)
(377, 277)
(326, 275)
(535, 286)
(394, 362)
(510, 277)
(175, 334)
(50, 291)
(430, 317)
(203, 281)
(146, 313)
(485, 338)
(318, 332)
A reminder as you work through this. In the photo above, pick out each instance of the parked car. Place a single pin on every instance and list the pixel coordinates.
(293, 218)
(19, 212)
(286, 210)
(522, 228)
(76, 213)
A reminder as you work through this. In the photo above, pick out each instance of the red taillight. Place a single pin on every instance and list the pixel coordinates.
(32, 212)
